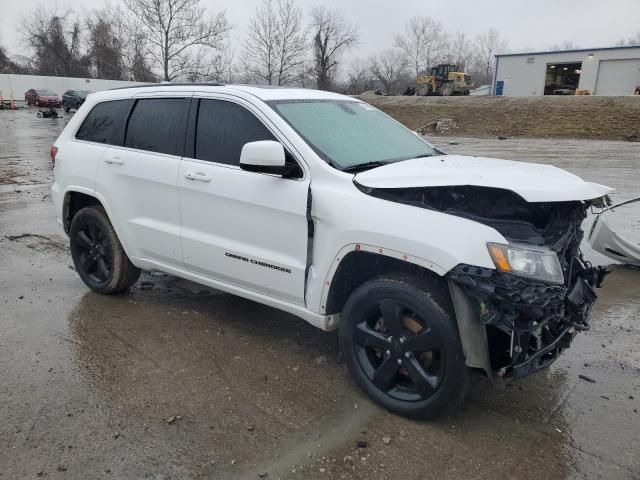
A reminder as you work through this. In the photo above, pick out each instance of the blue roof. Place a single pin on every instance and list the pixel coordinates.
(580, 50)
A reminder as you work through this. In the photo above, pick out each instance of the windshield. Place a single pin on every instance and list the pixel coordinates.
(348, 133)
(45, 93)
(82, 93)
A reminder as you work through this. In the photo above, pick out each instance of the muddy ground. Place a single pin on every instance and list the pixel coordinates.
(177, 381)
(603, 118)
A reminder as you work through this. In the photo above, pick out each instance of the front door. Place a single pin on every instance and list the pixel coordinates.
(243, 228)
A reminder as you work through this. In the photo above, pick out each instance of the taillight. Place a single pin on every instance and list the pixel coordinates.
(53, 152)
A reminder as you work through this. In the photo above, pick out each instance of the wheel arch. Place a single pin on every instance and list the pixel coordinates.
(76, 198)
(73, 202)
(356, 264)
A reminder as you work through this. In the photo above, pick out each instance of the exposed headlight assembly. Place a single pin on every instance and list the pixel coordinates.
(538, 263)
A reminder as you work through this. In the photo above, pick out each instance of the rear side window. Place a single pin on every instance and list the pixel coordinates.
(105, 123)
(157, 125)
(222, 130)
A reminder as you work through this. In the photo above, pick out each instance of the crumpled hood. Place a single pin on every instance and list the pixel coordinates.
(532, 181)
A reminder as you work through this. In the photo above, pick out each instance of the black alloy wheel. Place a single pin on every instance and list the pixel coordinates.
(94, 253)
(402, 346)
(399, 352)
(97, 252)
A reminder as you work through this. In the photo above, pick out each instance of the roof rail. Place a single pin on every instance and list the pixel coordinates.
(169, 84)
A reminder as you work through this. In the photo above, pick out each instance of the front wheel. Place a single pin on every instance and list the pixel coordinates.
(97, 253)
(403, 348)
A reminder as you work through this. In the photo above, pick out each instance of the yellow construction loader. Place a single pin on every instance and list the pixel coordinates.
(444, 80)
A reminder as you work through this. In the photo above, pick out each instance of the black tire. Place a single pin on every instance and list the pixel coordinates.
(97, 253)
(66, 109)
(420, 372)
(77, 106)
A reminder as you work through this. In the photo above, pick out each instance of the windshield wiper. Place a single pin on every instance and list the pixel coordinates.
(363, 166)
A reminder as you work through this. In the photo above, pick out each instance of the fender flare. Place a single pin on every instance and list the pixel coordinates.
(378, 250)
(69, 189)
(472, 333)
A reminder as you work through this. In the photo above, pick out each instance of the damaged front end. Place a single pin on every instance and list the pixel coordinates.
(513, 324)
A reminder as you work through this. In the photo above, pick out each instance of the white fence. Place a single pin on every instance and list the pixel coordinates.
(14, 86)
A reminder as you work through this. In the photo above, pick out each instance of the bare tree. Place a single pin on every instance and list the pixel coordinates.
(211, 67)
(630, 42)
(423, 42)
(106, 45)
(55, 40)
(6, 65)
(488, 45)
(566, 45)
(459, 50)
(139, 67)
(388, 67)
(276, 46)
(359, 77)
(332, 35)
(172, 29)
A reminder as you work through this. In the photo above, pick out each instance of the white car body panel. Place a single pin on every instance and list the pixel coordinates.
(141, 187)
(185, 227)
(604, 240)
(532, 181)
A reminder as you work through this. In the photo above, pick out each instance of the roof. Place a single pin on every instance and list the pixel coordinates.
(263, 92)
(579, 50)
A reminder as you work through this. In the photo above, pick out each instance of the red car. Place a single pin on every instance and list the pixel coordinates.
(42, 98)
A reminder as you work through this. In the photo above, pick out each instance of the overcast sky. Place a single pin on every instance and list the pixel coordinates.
(526, 24)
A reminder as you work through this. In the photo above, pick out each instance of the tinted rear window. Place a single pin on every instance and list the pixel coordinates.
(223, 129)
(157, 125)
(105, 123)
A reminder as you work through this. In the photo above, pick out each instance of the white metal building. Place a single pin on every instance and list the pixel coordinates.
(14, 86)
(596, 71)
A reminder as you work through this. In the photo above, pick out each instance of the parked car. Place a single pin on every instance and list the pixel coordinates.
(42, 98)
(432, 266)
(73, 99)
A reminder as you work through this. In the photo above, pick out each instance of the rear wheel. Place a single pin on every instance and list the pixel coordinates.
(66, 108)
(97, 253)
(403, 348)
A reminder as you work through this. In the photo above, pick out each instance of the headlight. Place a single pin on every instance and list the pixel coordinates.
(533, 262)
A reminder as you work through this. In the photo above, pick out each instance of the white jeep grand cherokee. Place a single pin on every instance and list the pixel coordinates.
(432, 266)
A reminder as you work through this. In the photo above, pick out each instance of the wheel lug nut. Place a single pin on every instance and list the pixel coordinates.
(387, 353)
(402, 339)
(399, 362)
(389, 339)
(407, 354)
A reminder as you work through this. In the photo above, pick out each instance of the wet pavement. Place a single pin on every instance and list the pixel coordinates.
(173, 380)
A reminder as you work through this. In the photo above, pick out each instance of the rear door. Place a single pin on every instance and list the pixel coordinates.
(247, 229)
(139, 179)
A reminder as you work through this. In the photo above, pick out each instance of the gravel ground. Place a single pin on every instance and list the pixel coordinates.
(177, 381)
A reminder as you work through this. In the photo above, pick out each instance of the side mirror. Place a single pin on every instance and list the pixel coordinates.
(265, 156)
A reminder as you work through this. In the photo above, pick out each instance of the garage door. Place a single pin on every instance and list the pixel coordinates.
(618, 77)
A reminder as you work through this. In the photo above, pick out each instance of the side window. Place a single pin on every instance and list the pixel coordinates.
(105, 123)
(157, 125)
(222, 130)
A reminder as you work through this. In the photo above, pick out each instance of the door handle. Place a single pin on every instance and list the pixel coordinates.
(114, 161)
(201, 177)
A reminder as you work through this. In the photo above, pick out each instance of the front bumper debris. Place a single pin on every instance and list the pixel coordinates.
(604, 240)
(528, 323)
